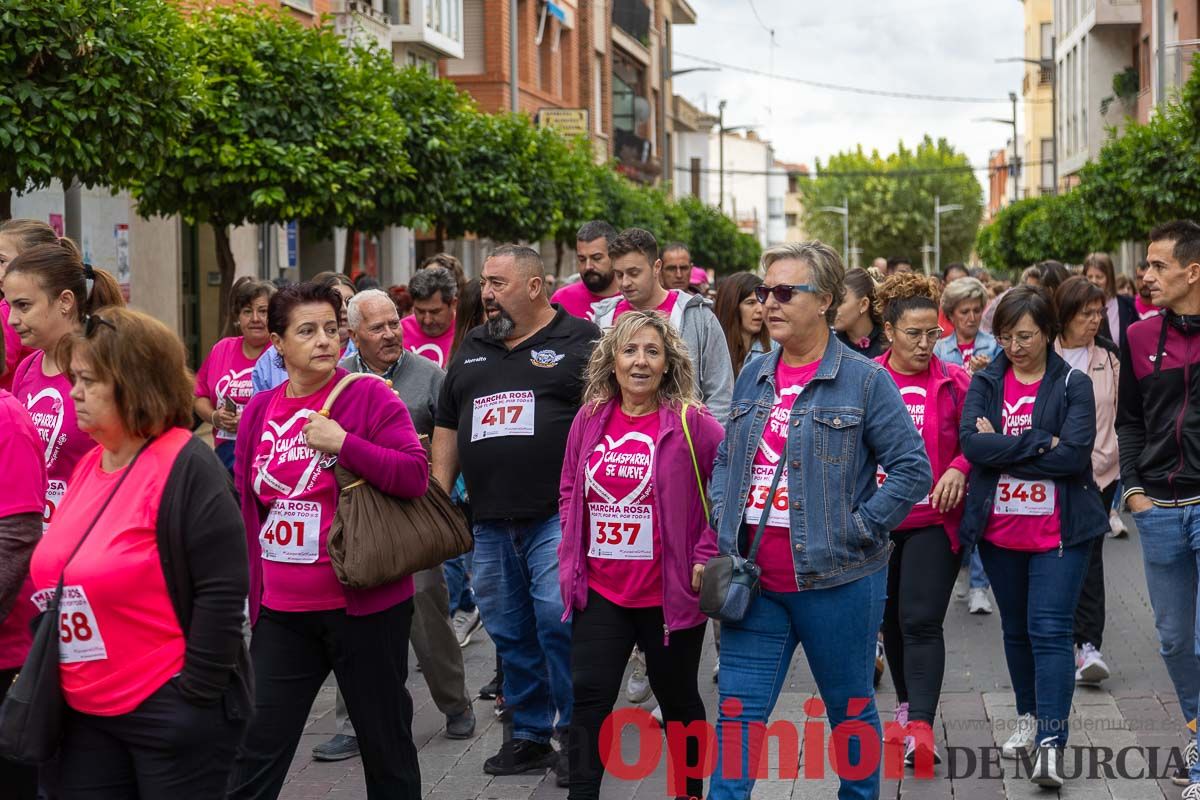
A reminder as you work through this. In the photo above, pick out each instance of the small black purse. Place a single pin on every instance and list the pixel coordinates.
(31, 716)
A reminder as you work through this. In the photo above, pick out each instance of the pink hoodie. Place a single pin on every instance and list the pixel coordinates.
(948, 389)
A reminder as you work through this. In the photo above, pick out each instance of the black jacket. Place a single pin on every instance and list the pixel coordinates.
(1126, 315)
(1158, 409)
(202, 547)
(1065, 407)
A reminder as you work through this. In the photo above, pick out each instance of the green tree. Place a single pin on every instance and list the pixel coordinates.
(997, 244)
(294, 127)
(892, 200)
(94, 91)
(715, 240)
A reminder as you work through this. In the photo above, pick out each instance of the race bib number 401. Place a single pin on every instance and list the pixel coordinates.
(292, 532)
(1024, 498)
(503, 414)
(79, 636)
(622, 533)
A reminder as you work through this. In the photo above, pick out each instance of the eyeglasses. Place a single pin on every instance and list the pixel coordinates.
(1024, 339)
(783, 292)
(1096, 314)
(915, 336)
(93, 323)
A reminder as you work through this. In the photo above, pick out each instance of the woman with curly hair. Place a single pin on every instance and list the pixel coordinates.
(926, 554)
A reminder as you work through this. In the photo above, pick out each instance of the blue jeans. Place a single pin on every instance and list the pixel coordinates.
(979, 578)
(516, 587)
(1171, 554)
(837, 628)
(1037, 594)
(458, 583)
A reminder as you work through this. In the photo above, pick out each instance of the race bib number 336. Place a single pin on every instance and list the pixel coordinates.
(503, 414)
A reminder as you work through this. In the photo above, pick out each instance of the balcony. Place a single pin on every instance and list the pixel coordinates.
(1118, 12)
(433, 24)
(633, 17)
(361, 24)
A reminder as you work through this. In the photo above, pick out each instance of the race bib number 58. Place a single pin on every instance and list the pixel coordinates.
(503, 414)
(292, 532)
(79, 636)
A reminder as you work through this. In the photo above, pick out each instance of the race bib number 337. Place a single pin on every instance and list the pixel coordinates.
(622, 533)
(503, 414)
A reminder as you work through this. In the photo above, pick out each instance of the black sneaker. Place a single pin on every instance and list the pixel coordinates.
(562, 776)
(490, 689)
(520, 755)
(339, 748)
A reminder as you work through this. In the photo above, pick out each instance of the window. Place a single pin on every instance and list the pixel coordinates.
(1047, 40)
(472, 62)
(1047, 159)
(774, 206)
(791, 220)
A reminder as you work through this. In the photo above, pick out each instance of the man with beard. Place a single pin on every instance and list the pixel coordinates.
(511, 393)
(376, 330)
(595, 270)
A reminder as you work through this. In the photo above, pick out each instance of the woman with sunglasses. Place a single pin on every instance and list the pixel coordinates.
(808, 426)
(1028, 429)
(926, 555)
(151, 554)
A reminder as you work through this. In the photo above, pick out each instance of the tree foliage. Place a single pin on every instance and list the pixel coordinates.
(892, 200)
(96, 91)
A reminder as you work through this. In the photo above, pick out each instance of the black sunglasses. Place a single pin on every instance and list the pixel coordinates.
(92, 323)
(783, 292)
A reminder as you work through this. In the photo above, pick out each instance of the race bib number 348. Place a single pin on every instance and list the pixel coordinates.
(1024, 498)
(503, 414)
(292, 532)
(79, 636)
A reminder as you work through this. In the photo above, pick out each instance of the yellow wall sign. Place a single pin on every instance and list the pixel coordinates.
(567, 121)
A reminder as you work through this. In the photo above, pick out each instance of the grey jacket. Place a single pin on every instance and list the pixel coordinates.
(697, 324)
(418, 382)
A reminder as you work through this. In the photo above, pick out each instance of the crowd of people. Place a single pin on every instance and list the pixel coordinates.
(865, 439)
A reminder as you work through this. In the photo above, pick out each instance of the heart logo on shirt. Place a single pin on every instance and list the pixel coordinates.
(610, 444)
(51, 430)
(272, 433)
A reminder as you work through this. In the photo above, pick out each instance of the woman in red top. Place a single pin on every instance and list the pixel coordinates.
(223, 382)
(16, 236)
(20, 529)
(152, 557)
(925, 557)
(306, 622)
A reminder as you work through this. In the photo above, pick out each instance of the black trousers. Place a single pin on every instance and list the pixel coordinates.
(921, 573)
(293, 653)
(1089, 612)
(603, 637)
(17, 781)
(165, 749)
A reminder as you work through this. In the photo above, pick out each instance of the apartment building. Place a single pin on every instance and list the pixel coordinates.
(1181, 41)
(1037, 134)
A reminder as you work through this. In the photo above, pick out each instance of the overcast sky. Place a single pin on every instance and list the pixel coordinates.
(943, 47)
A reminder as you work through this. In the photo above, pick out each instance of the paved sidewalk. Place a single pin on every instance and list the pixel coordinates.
(1136, 708)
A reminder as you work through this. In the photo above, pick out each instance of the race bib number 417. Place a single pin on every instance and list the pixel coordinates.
(503, 414)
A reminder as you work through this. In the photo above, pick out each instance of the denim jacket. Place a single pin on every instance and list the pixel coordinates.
(849, 418)
(947, 350)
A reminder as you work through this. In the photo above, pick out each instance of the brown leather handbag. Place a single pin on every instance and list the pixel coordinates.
(376, 538)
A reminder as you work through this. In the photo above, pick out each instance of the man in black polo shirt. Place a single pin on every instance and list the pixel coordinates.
(511, 392)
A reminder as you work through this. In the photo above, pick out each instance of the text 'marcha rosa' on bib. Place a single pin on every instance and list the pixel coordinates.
(79, 636)
(292, 532)
(55, 490)
(502, 414)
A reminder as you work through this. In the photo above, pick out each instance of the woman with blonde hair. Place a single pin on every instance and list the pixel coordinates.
(632, 506)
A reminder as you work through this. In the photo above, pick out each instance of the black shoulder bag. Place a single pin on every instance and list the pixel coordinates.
(730, 582)
(32, 714)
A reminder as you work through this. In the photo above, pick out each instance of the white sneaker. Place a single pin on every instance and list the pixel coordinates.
(962, 584)
(1046, 767)
(978, 602)
(1023, 737)
(1090, 668)
(465, 624)
(657, 714)
(1192, 792)
(638, 687)
(717, 670)
(1116, 525)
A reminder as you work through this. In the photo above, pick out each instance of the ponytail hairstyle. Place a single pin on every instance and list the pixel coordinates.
(59, 268)
(903, 292)
(859, 281)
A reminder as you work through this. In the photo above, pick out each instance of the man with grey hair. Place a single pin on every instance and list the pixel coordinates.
(375, 327)
(511, 393)
(429, 331)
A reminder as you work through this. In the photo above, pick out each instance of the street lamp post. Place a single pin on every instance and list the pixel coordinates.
(938, 210)
(720, 156)
(1052, 66)
(1016, 162)
(844, 210)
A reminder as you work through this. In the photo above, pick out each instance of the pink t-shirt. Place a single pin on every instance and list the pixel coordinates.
(1144, 309)
(24, 492)
(119, 638)
(436, 349)
(624, 542)
(226, 373)
(665, 307)
(775, 552)
(48, 401)
(967, 349)
(1025, 514)
(296, 485)
(912, 389)
(577, 301)
(14, 351)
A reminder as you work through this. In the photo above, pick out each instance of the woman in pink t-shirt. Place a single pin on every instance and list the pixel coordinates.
(925, 556)
(16, 236)
(1028, 429)
(224, 382)
(632, 522)
(150, 551)
(306, 622)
